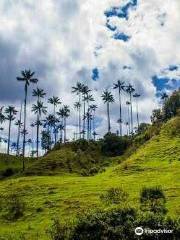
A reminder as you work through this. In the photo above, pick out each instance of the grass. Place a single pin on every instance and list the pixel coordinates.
(66, 195)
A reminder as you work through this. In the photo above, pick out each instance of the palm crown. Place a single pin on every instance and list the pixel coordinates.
(54, 101)
(120, 85)
(130, 89)
(78, 88)
(38, 93)
(27, 77)
(107, 97)
(11, 112)
(39, 108)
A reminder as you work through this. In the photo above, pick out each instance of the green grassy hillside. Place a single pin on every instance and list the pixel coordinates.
(157, 162)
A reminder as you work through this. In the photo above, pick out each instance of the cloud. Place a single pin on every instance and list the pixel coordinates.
(66, 41)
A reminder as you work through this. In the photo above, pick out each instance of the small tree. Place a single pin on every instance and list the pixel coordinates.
(46, 140)
(153, 199)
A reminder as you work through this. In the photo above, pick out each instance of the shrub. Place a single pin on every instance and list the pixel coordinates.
(112, 145)
(81, 144)
(115, 223)
(93, 171)
(8, 172)
(84, 172)
(14, 207)
(57, 231)
(153, 199)
(114, 196)
(112, 224)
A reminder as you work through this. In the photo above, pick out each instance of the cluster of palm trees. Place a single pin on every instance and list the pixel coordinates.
(54, 125)
(86, 121)
(108, 98)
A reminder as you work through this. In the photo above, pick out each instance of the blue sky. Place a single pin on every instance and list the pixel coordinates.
(96, 42)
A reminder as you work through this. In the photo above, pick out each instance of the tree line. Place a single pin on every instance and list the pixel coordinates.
(54, 125)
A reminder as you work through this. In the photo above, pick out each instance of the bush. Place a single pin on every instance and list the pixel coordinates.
(8, 172)
(118, 223)
(14, 207)
(153, 200)
(81, 144)
(113, 145)
(112, 224)
(93, 171)
(114, 196)
(57, 231)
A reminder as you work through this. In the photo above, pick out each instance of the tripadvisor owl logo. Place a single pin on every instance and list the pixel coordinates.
(139, 231)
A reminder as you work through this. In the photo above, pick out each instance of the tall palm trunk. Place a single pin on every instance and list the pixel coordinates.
(79, 122)
(24, 135)
(18, 140)
(61, 134)
(79, 116)
(37, 143)
(131, 114)
(9, 136)
(120, 114)
(84, 119)
(55, 135)
(19, 132)
(64, 129)
(87, 126)
(129, 119)
(93, 125)
(108, 117)
(90, 128)
(127, 130)
(137, 113)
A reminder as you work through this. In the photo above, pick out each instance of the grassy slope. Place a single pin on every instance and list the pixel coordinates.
(155, 163)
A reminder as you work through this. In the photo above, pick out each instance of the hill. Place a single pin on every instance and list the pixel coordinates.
(157, 162)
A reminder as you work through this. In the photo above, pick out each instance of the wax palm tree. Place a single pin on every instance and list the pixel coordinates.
(11, 112)
(2, 117)
(136, 96)
(66, 115)
(77, 106)
(164, 98)
(94, 135)
(108, 98)
(85, 90)
(49, 124)
(32, 125)
(60, 113)
(88, 116)
(27, 77)
(130, 90)
(128, 105)
(39, 93)
(61, 129)
(93, 108)
(38, 109)
(127, 128)
(55, 101)
(120, 86)
(88, 98)
(78, 91)
(19, 125)
(29, 141)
